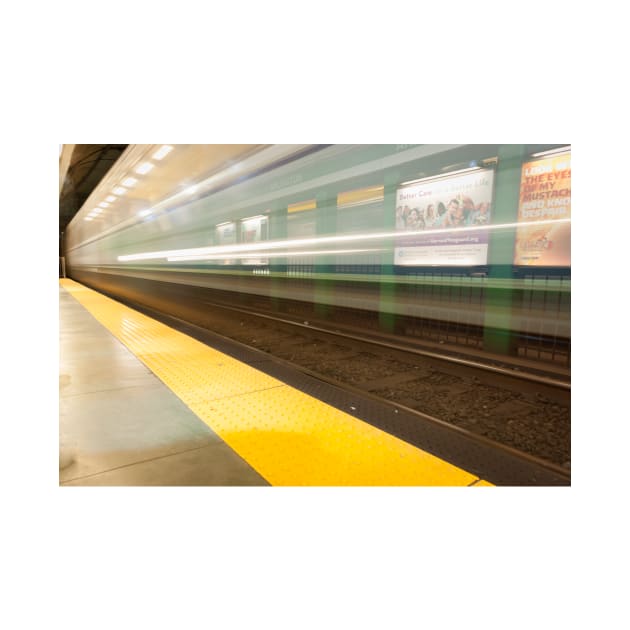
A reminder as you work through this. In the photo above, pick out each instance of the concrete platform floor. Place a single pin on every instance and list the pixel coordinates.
(119, 425)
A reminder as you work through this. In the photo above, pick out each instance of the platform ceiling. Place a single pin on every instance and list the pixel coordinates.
(81, 168)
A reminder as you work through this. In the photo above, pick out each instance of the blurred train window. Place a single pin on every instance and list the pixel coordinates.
(360, 210)
(301, 223)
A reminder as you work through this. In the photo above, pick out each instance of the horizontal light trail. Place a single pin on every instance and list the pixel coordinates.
(239, 250)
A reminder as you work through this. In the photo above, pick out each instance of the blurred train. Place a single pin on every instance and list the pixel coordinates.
(456, 244)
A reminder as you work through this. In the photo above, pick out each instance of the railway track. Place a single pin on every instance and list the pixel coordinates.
(522, 372)
(523, 412)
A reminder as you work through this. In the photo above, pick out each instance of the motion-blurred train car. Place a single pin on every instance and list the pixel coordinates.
(463, 245)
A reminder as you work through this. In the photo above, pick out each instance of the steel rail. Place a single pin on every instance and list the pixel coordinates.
(528, 376)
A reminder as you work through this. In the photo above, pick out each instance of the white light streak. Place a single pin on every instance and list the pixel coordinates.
(316, 252)
(120, 190)
(111, 198)
(129, 182)
(325, 240)
(103, 204)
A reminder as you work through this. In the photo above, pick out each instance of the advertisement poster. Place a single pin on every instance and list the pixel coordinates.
(443, 218)
(543, 237)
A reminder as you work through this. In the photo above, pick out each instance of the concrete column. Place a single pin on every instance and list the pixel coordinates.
(498, 336)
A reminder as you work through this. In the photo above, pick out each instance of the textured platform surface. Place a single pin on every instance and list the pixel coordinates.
(286, 435)
(120, 425)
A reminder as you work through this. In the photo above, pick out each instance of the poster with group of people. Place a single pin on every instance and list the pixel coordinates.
(543, 236)
(443, 218)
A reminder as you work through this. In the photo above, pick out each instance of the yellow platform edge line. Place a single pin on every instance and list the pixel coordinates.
(287, 436)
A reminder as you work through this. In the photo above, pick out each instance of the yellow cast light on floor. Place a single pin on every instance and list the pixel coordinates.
(289, 437)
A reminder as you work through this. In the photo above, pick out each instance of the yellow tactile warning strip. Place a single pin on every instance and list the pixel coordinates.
(289, 437)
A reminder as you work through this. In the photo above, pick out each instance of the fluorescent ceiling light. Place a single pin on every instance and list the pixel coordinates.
(144, 168)
(553, 151)
(442, 175)
(110, 198)
(130, 181)
(103, 204)
(162, 152)
(120, 190)
(89, 219)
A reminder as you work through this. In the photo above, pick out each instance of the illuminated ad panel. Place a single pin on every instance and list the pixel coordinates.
(253, 230)
(543, 238)
(443, 218)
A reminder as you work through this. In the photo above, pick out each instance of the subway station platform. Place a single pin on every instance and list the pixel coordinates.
(144, 404)
(120, 425)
